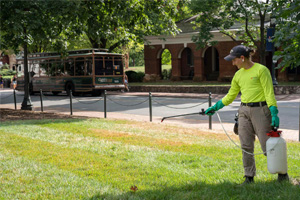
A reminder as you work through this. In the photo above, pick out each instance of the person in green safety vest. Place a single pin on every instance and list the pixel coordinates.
(258, 110)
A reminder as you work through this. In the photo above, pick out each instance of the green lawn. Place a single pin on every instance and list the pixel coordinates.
(103, 159)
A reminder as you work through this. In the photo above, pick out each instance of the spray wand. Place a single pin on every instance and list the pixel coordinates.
(197, 113)
(203, 113)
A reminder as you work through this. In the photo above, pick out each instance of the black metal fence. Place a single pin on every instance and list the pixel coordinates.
(149, 100)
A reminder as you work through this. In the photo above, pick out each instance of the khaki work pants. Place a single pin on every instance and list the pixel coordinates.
(253, 121)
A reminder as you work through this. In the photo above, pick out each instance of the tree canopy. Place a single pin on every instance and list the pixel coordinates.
(287, 35)
(36, 23)
(52, 25)
(113, 23)
(248, 17)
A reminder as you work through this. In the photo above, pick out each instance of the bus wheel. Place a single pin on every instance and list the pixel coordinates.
(69, 87)
(55, 93)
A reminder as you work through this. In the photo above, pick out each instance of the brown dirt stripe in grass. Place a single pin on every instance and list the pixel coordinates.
(132, 139)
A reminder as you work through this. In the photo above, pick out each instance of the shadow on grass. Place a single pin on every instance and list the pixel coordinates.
(225, 190)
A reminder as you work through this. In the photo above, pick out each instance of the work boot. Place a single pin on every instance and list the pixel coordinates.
(248, 180)
(283, 177)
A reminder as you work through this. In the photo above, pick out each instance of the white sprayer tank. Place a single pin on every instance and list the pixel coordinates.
(276, 153)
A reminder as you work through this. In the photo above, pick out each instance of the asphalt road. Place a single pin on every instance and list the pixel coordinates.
(139, 105)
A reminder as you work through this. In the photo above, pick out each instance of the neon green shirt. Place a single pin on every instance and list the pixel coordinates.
(255, 85)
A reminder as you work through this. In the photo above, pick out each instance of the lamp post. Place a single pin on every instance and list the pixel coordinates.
(271, 47)
(26, 104)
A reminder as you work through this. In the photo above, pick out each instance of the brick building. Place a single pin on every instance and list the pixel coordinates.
(4, 59)
(8, 59)
(199, 65)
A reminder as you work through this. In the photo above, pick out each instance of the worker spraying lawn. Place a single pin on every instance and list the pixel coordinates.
(257, 115)
(258, 110)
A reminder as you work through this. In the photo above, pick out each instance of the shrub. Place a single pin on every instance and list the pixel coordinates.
(5, 66)
(140, 76)
(169, 73)
(129, 75)
(7, 72)
(166, 74)
(135, 76)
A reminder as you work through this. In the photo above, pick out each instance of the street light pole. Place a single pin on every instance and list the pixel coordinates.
(273, 70)
(26, 104)
(272, 26)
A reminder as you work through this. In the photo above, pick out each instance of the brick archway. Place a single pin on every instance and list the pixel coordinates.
(226, 70)
(152, 63)
(186, 57)
(211, 63)
(159, 59)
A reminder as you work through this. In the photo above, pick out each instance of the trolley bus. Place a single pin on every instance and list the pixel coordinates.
(83, 71)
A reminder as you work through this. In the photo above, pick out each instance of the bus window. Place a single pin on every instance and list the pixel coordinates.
(30, 68)
(34, 67)
(99, 68)
(69, 67)
(89, 66)
(43, 68)
(52, 67)
(118, 67)
(108, 66)
(79, 67)
(60, 68)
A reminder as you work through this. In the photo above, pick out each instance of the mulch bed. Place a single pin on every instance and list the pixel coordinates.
(10, 115)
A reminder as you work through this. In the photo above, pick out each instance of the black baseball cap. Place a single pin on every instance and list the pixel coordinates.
(237, 52)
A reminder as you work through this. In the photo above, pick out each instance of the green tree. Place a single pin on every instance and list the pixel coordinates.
(107, 24)
(26, 23)
(136, 54)
(166, 57)
(287, 35)
(113, 23)
(38, 24)
(221, 15)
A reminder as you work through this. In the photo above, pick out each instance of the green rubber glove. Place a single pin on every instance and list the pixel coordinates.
(211, 110)
(275, 118)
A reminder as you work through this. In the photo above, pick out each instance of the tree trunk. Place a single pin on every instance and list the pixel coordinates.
(126, 60)
(262, 45)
